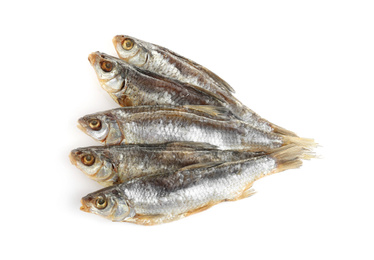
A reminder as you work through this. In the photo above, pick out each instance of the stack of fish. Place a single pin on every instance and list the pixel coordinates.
(180, 142)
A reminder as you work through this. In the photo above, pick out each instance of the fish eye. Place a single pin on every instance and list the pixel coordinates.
(106, 66)
(128, 44)
(88, 159)
(100, 202)
(95, 124)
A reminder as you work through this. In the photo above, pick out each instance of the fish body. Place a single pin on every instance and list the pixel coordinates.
(162, 61)
(145, 125)
(167, 63)
(116, 164)
(131, 86)
(167, 197)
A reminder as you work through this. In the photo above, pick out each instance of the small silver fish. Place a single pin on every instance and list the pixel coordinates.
(154, 125)
(110, 165)
(131, 86)
(162, 198)
(164, 62)
(167, 63)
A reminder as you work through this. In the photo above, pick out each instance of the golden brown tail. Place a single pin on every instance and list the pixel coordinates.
(290, 156)
(306, 143)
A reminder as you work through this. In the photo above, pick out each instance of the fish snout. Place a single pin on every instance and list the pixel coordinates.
(72, 157)
(82, 125)
(92, 58)
(118, 39)
(84, 206)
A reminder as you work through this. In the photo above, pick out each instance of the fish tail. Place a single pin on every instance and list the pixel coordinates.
(289, 157)
(287, 165)
(306, 143)
(308, 155)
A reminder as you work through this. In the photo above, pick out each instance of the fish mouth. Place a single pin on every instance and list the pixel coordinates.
(92, 58)
(117, 39)
(84, 206)
(72, 159)
(84, 130)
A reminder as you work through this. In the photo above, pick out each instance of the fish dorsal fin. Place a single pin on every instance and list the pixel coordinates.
(205, 165)
(218, 80)
(203, 91)
(219, 113)
(169, 80)
(190, 146)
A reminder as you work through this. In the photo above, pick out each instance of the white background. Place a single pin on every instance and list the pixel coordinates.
(304, 65)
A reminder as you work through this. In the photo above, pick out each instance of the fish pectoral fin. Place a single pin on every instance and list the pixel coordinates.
(218, 113)
(150, 220)
(191, 145)
(147, 220)
(203, 91)
(200, 165)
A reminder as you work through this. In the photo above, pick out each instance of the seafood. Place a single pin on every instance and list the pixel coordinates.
(162, 61)
(165, 62)
(153, 125)
(131, 86)
(166, 197)
(110, 165)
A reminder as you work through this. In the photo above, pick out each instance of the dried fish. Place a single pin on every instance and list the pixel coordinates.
(110, 165)
(162, 61)
(165, 62)
(153, 125)
(162, 198)
(131, 86)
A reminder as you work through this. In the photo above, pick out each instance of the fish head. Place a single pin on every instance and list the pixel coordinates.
(109, 71)
(109, 203)
(102, 127)
(95, 163)
(131, 50)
